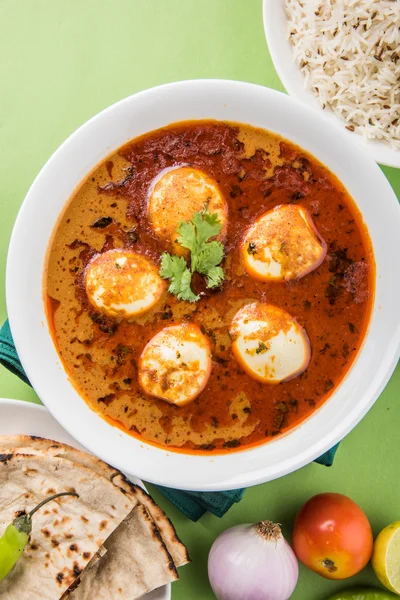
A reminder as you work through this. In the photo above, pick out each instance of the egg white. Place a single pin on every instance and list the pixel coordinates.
(283, 244)
(176, 364)
(268, 343)
(177, 194)
(123, 284)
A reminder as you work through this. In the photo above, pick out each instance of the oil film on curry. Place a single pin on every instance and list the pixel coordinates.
(209, 286)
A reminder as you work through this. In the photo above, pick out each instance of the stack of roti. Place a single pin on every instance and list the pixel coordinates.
(112, 542)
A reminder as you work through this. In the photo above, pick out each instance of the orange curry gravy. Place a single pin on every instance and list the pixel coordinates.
(256, 170)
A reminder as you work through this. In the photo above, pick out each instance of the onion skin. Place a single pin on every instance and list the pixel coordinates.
(252, 562)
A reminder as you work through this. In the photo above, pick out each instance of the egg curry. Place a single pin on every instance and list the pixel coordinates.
(208, 286)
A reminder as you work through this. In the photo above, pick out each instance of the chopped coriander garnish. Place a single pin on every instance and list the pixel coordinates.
(101, 223)
(215, 276)
(261, 348)
(328, 385)
(232, 444)
(205, 256)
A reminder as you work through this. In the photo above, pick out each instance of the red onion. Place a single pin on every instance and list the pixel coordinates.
(252, 562)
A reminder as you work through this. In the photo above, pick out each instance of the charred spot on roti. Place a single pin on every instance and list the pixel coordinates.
(86, 555)
(55, 543)
(73, 548)
(157, 536)
(60, 577)
(103, 525)
(4, 458)
(172, 567)
(46, 532)
(71, 588)
(65, 519)
(77, 569)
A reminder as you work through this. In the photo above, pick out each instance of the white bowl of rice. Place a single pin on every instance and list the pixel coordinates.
(342, 57)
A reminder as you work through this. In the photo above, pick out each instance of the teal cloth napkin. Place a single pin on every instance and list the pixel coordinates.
(192, 504)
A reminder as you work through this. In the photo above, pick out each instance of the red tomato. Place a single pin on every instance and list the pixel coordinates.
(332, 536)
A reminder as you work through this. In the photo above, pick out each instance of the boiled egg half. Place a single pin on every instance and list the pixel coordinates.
(268, 343)
(177, 194)
(122, 283)
(283, 244)
(176, 364)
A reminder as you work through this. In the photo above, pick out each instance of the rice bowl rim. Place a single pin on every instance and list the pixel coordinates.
(281, 51)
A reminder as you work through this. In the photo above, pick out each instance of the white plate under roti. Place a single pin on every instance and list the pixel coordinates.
(25, 418)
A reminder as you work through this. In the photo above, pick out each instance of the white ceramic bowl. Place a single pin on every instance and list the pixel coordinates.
(275, 26)
(143, 112)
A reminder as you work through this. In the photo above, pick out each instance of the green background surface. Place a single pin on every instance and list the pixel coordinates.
(63, 61)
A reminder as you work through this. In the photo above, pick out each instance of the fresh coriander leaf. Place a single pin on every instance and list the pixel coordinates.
(215, 277)
(171, 264)
(185, 291)
(207, 226)
(172, 267)
(187, 236)
(261, 348)
(205, 256)
(209, 257)
(193, 234)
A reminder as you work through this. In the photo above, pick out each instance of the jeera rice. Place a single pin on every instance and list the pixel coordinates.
(349, 53)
